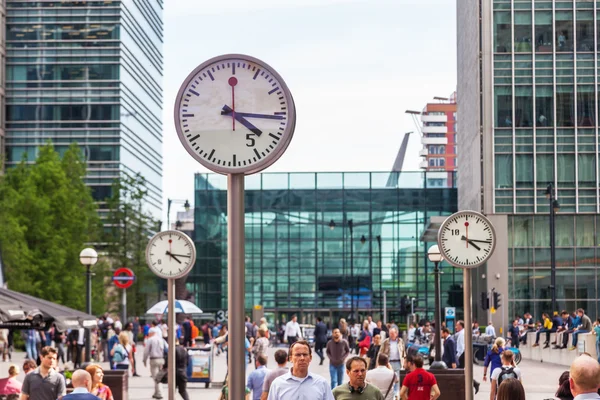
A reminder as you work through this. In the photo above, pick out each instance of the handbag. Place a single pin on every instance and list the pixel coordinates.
(366, 342)
(390, 387)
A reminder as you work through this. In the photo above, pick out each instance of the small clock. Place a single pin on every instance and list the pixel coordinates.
(171, 254)
(235, 114)
(467, 239)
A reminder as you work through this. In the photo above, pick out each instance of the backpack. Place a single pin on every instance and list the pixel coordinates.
(507, 373)
(119, 357)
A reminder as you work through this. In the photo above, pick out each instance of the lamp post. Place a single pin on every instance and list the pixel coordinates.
(554, 207)
(88, 257)
(435, 257)
(378, 238)
(186, 206)
(351, 228)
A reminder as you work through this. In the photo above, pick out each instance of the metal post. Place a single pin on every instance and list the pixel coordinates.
(169, 201)
(124, 306)
(438, 363)
(380, 275)
(350, 226)
(552, 250)
(385, 307)
(468, 335)
(88, 309)
(171, 339)
(236, 289)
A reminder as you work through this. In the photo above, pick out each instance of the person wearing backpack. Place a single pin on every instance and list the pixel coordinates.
(122, 354)
(508, 370)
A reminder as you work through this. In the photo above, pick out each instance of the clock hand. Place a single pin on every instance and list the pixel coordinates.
(242, 120)
(253, 115)
(180, 255)
(471, 242)
(232, 82)
(172, 255)
(480, 241)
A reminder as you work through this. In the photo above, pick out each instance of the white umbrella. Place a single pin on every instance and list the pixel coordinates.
(181, 306)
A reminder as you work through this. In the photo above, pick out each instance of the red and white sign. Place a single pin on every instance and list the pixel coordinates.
(123, 278)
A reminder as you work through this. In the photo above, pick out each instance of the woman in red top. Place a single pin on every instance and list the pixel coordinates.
(11, 386)
(98, 388)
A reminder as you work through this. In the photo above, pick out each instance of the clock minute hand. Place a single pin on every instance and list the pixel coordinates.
(470, 242)
(173, 255)
(228, 110)
(179, 255)
(480, 241)
(263, 116)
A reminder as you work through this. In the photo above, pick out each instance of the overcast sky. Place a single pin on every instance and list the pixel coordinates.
(353, 67)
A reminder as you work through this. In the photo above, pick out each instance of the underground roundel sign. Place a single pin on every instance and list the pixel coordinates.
(123, 278)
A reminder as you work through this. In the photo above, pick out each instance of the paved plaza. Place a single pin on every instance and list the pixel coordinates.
(539, 379)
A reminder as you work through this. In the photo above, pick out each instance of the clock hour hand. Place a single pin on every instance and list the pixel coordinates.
(229, 111)
(173, 255)
(470, 242)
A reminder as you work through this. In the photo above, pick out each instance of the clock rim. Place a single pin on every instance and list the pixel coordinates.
(268, 160)
(460, 213)
(181, 274)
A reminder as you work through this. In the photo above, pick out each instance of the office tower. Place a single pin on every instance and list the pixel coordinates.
(528, 101)
(88, 72)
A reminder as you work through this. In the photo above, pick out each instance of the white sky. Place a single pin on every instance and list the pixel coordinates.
(353, 67)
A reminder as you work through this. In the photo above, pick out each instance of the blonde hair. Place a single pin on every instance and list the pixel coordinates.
(13, 370)
(497, 344)
(124, 338)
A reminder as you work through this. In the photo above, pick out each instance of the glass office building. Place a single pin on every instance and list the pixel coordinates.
(323, 244)
(533, 114)
(88, 72)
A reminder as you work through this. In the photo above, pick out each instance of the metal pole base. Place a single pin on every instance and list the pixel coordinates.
(438, 365)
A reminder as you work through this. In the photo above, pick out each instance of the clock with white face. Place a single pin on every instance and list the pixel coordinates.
(170, 254)
(467, 239)
(235, 114)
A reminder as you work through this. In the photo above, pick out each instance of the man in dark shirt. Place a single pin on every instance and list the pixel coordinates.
(514, 333)
(186, 326)
(449, 356)
(181, 363)
(320, 338)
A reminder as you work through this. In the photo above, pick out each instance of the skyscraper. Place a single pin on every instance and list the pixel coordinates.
(88, 72)
(528, 101)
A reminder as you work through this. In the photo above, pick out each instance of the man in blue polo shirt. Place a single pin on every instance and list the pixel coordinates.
(299, 384)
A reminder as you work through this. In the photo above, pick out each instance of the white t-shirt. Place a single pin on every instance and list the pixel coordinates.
(381, 377)
(372, 325)
(128, 349)
(497, 371)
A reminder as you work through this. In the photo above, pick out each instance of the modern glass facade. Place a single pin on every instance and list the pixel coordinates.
(322, 243)
(88, 72)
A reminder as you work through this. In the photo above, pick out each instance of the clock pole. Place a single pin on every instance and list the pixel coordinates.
(171, 338)
(468, 334)
(236, 289)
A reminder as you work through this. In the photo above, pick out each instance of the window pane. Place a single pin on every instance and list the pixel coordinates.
(564, 31)
(502, 38)
(503, 106)
(544, 96)
(504, 171)
(543, 31)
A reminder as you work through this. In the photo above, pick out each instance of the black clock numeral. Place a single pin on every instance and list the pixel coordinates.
(250, 141)
(455, 232)
(159, 261)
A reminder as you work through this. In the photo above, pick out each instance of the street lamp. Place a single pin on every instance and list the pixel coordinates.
(351, 228)
(436, 258)
(554, 208)
(186, 206)
(88, 257)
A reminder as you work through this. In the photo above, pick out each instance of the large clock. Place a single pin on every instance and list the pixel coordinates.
(235, 114)
(170, 254)
(467, 239)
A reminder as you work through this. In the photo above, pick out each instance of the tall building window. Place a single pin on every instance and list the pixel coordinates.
(544, 106)
(544, 166)
(564, 30)
(564, 105)
(523, 32)
(543, 31)
(436, 162)
(503, 105)
(586, 115)
(502, 38)
(523, 106)
(503, 171)
(585, 31)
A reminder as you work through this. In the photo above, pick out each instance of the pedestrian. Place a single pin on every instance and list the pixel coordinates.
(261, 346)
(528, 326)
(514, 333)
(357, 387)
(364, 340)
(343, 326)
(256, 379)
(29, 366)
(374, 351)
(490, 330)
(371, 325)
(564, 387)
(394, 348)
(113, 340)
(300, 383)
(129, 331)
(82, 383)
(122, 353)
(596, 332)
(30, 346)
(155, 351)
(281, 358)
(10, 386)
(98, 387)
(320, 334)
(460, 343)
(383, 377)
(507, 370)
(511, 389)
(418, 383)
(584, 378)
(563, 331)
(44, 382)
(411, 333)
(292, 331)
(585, 327)
(186, 326)
(449, 355)
(181, 363)
(337, 351)
(493, 358)
(547, 329)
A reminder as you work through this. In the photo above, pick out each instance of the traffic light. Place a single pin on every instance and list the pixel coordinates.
(497, 300)
(403, 301)
(484, 301)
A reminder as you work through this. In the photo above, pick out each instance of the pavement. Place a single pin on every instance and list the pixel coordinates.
(539, 379)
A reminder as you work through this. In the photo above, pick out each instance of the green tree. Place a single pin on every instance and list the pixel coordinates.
(47, 215)
(131, 227)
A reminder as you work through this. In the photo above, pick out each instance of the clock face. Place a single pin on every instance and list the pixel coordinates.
(171, 254)
(235, 114)
(466, 239)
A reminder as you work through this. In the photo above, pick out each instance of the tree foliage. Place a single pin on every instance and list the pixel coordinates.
(47, 215)
(131, 227)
